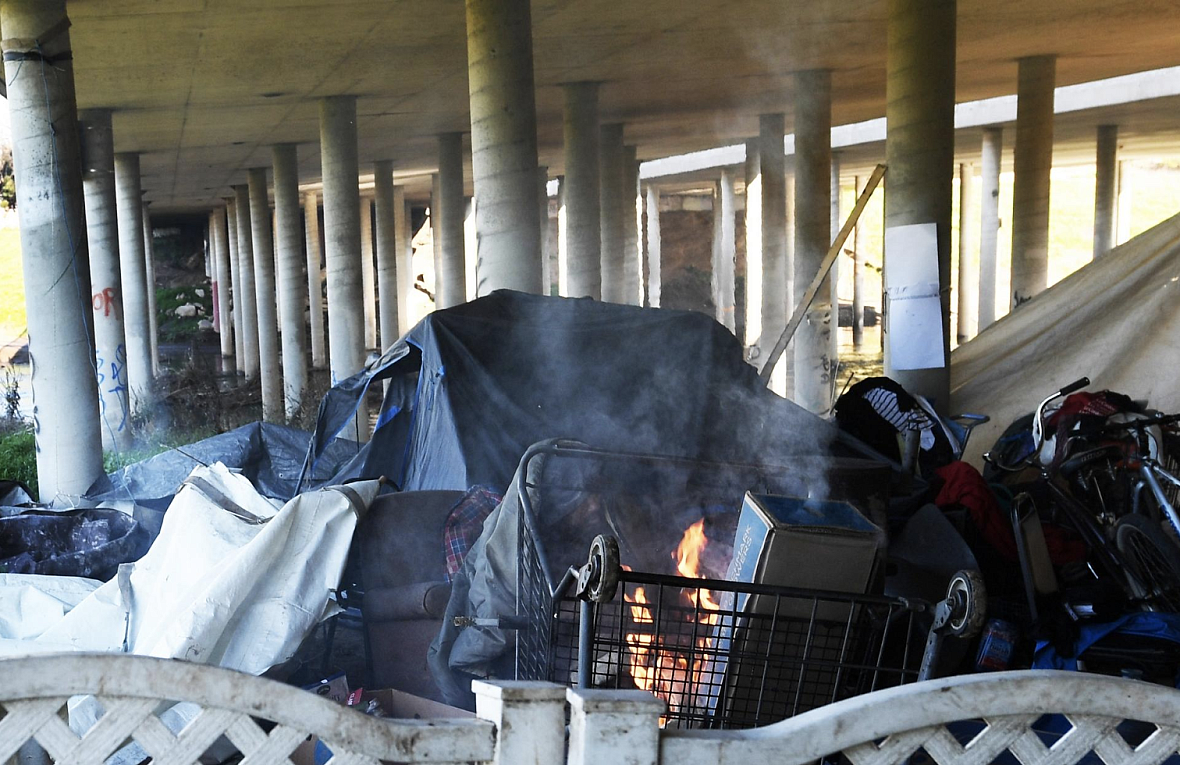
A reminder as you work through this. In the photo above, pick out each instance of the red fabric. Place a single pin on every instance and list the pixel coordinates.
(964, 486)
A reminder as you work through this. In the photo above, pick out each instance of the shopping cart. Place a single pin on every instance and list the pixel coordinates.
(721, 654)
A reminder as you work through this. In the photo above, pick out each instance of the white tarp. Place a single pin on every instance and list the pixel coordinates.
(232, 580)
(1116, 321)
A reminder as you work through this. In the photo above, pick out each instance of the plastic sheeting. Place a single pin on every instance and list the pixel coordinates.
(30, 604)
(88, 543)
(1116, 321)
(472, 387)
(270, 456)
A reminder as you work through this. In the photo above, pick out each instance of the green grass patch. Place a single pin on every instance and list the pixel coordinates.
(18, 458)
(177, 329)
(12, 285)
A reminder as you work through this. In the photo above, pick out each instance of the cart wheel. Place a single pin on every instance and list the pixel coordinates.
(967, 598)
(604, 562)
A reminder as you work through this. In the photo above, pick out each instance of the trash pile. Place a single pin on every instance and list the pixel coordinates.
(605, 495)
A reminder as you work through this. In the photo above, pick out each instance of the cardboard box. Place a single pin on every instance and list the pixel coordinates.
(392, 704)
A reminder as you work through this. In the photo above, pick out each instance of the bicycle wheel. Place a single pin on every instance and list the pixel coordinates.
(1153, 560)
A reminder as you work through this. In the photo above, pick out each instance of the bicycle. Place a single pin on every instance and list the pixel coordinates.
(1122, 530)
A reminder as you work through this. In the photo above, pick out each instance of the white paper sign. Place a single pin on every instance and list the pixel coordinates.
(914, 314)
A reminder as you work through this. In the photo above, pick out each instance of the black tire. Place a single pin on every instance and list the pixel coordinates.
(604, 553)
(1153, 560)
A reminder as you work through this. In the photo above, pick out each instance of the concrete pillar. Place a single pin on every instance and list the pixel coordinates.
(385, 201)
(529, 719)
(102, 236)
(405, 259)
(340, 168)
(547, 243)
(858, 274)
(968, 287)
(276, 269)
(632, 281)
(715, 253)
(235, 271)
(753, 170)
(247, 294)
(581, 192)
(1125, 197)
(133, 279)
(450, 284)
(211, 272)
(1106, 183)
(470, 251)
(48, 175)
(289, 242)
(789, 264)
(989, 227)
(614, 726)
(919, 150)
(315, 285)
(368, 270)
(653, 246)
(265, 305)
(436, 232)
(1033, 160)
(504, 143)
(149, 254)
(223, 270)
(813, 236)
(610, 165)
(834, 224)
(725, 210)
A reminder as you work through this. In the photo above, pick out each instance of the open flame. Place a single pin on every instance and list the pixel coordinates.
(673, 670)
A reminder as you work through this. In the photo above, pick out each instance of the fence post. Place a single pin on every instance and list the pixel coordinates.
(529, 719)
(619, 727)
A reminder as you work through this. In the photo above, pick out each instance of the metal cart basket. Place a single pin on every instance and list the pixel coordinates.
(721, 654)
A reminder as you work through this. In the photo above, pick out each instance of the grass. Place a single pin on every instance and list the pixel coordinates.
(18, 457)
(12, 285)
(178, 329)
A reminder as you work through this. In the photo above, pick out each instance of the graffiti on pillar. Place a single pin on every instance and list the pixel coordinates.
(104, 301)
(112, 380)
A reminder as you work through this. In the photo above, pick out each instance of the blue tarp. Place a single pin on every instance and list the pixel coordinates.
(472, 387)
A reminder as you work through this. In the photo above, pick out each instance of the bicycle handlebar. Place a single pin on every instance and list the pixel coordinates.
(1073, 387)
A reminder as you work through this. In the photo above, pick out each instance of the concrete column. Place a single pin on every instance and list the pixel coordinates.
(265, 305)
(989, 227)
(547, 244)
(133, 279)
(753, 170)
(149, 254)
(277, 270)
(968, 288)
(919, 150)
(385, 202)
(610, 186)
(727, 253)
(211, 272)
(1125, 199)
(653, 246)
(235, 266)
(102, 235)
(450, 284)
(1033, 160)
(858, 274)
(436, 232)
(247, 296)
(368, 272)
(405, 257)
(315, 285)
(1106, 183)
(504, 144)
(224, 281)
(715, 253)
(48, 170)
(789, 266)
(529, 719)
(813, 236)
(289, 242)
(338, 147)
(632, 281)
(470, 251)
(581, 192)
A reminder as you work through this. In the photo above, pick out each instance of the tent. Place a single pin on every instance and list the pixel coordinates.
(1116, 321)
(470, 388)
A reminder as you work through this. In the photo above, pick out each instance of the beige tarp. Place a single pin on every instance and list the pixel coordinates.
(1116, 321)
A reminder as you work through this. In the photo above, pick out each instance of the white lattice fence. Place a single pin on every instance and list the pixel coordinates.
(263, 720)
(1034, 718)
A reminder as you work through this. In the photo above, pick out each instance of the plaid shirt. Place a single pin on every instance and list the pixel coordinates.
(465, 524)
